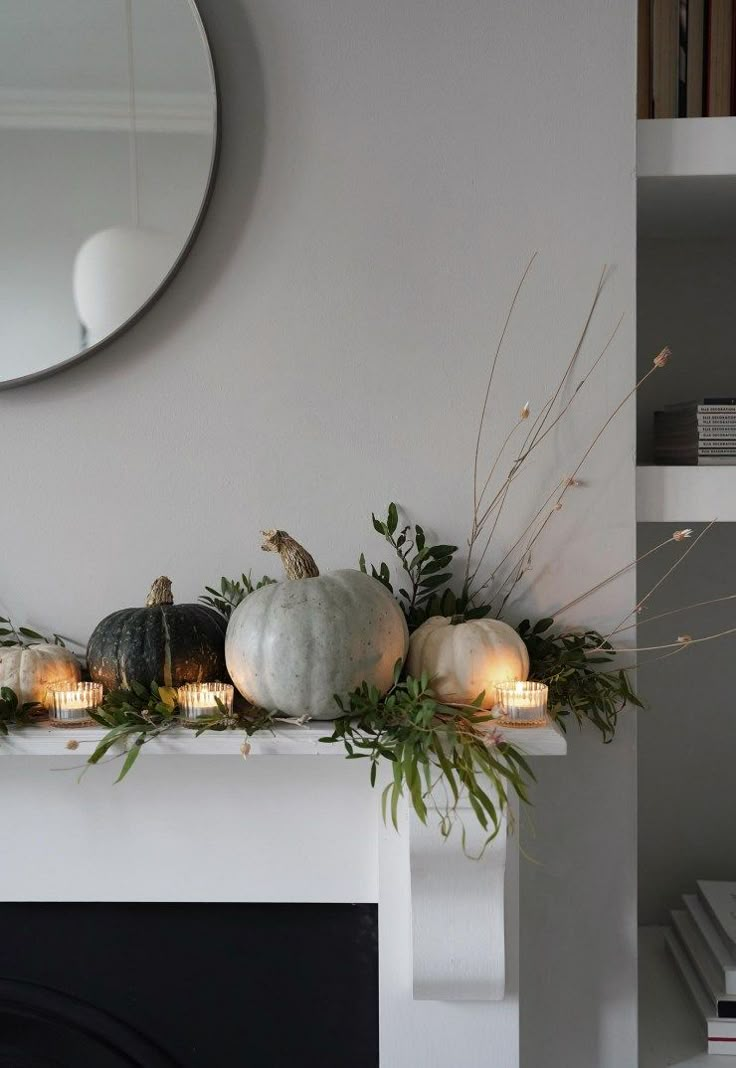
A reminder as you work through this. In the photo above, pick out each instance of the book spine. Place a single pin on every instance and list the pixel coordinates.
(718, 66)
(682, 60)
(644, 64)
(665, 45)
(695, 40)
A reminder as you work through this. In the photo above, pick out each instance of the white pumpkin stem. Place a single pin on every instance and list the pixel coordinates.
(298, 563)
(160, 593)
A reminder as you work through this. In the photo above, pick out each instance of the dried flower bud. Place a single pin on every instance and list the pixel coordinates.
(492, 738)
(245, 750)
(524, 413)
(558, 506)
(680, 535)
(684, 639)
(72, 744)
(572, 482)
(660, 360)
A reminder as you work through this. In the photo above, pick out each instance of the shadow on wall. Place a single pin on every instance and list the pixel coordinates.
(241, 94)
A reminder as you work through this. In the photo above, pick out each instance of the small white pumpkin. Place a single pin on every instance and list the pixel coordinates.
(465, 659)
(291, 646)
(29, 670)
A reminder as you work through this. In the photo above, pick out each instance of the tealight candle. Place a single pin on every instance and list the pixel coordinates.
(522, 704)
(199, 700)
(70, 704)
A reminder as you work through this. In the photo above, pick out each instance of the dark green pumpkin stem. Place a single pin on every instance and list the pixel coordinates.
(160, 593)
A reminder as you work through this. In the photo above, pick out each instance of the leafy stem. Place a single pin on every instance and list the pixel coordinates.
(440, 756)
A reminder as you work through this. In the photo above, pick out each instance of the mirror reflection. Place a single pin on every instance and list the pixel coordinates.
(108, 127)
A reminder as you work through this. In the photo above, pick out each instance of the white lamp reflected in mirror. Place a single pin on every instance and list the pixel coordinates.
(115, 272)
(118, 269)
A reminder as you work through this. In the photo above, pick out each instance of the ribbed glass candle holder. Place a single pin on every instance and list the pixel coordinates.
(70, 705)
(199, 700)
(522, 704)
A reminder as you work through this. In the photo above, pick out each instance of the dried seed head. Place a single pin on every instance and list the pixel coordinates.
(524, 413)
(684, 639)
(245, 750)
(72, 744)
(680, 535)
(660, 360)
(572, 482)
(558, 506)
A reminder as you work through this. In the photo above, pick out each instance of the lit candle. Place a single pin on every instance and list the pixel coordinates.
(522, 704)
(70, 705)
(199, 700)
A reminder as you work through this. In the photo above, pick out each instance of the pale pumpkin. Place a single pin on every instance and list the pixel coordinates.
(465, 659)
(29, 670)
(292, 646)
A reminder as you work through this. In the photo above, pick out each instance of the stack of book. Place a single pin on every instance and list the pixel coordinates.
(702, 941)
(686, 58)
(695, 433)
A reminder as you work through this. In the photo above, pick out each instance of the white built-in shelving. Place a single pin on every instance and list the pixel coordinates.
(686, 494)
(687, 177)
(686, 171)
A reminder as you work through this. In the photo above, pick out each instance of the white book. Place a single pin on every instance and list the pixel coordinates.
(722, 1004)
(723, 958)
(721, 1034)
(719, 898)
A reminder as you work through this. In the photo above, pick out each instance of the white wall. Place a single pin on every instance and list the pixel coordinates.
(386, 170)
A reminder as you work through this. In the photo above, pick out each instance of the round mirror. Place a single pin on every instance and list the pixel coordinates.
(108, 139)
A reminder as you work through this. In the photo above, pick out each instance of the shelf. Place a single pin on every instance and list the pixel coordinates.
(671, 1034)
(687, 494)
(687, 178)
(287, 741)
(686, 148)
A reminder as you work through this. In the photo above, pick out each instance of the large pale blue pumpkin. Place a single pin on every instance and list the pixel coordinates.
(292, 646)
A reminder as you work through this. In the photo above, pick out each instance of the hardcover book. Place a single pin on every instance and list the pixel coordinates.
(722, 1005)
(719, 899)
(721, 1034)
(724, 959)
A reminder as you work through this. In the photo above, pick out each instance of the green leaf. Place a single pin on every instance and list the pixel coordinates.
(130, 759)
(28, 633)
(393, 518)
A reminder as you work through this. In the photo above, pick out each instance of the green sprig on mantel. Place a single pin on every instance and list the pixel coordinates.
(438, 754)
(12, 713)
(137, 716)
(570, 664)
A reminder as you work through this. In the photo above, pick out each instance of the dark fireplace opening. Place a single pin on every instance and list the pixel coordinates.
(188, 985)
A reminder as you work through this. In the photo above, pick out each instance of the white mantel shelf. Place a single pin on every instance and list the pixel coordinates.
(456, 904)
(686, 494)
(288, 741)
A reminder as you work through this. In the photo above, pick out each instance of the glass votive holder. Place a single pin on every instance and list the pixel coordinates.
(199, 700)
(69, 704)
(522, 704)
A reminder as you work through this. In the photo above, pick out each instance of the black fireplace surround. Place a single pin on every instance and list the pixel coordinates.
(188, 986)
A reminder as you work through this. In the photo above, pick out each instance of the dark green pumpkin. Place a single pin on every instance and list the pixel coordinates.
(170, 644)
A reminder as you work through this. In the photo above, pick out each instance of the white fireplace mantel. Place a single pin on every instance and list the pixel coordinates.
(457, 904)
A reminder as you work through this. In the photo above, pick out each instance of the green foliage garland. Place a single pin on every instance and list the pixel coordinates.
(438, 754)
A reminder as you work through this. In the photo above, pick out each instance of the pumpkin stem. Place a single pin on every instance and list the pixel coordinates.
(297, 561)
(160, 593)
